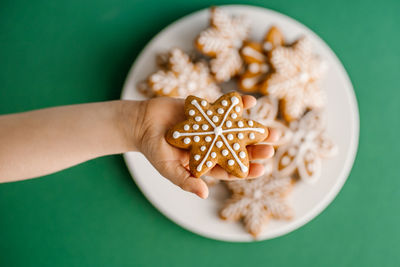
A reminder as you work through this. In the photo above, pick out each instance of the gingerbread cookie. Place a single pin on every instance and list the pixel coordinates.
(266, 112)
(181, 78)
(258, 200)
(297, 72)
(303, 154)
(216, 134)
(221, 41)
(255, 56)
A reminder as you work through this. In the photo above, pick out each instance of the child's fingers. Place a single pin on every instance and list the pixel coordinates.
(248, 101)
(255, 170)
(179, 175)
(260, 151)
(273, 136)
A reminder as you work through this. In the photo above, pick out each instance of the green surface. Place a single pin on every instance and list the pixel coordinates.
(64, 52)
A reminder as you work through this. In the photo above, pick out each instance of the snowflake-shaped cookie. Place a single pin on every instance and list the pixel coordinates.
(217, 134)
(256, 60)
(295, 79)
(258, 200)
(303, 154)
(182, 78)
(221, 41)
(266, 112)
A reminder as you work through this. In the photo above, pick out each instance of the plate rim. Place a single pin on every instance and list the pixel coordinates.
(333, 192)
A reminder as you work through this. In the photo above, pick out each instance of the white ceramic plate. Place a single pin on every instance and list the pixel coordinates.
(201, 216)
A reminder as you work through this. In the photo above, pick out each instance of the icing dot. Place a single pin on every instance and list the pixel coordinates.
(202, 148)
(204, 127)
(208, 139)
(213, 155)
(233, 115)
(176, 134)
(219, 144)
(209, 164)
(240, 123)
(235, 100)
(252, 136)
(196, 139)
(215, 119)
(231, 162)
(197, 118)
(209, 112)
(191, 112)
(292, 151)
(204, 103)
(196, 126)
(285, 160)
(196, 157)
(267, 46)
(240, 136)
(242, 154)
(186, 140)
(220, 111)
(236, 146)
(237, 109)
(229, 124)
(194, 101)
(224, 152)
(254, 67)
(186, 127)
(224, 103)
(230, 136)
(199, 168)
(251, 123)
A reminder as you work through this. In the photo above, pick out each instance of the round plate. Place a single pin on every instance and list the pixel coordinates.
(201, 216)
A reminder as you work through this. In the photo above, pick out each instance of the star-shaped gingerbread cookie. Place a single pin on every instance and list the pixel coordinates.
(217, 134)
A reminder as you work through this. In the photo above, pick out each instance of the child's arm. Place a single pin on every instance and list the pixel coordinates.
(40, 142)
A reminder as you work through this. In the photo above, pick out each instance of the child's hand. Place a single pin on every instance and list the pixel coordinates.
(160, 114)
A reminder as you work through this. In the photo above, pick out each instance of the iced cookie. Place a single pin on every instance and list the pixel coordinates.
(266, 112)
(297, 72)
(216, 134)
(303, 154)
(256, 201)
(181, 78)
(221, 41)
(255, 56)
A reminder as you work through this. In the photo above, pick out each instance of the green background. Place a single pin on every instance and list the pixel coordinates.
(64, 52)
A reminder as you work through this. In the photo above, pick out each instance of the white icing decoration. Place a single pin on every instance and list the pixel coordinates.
(251, 52)
(240, 123)
(242, 154)
(208, 139)
(196, 139)
(240, 136)
(196, 157)
(220, 111)
(231, 162)
(192, 112)
(225, 152)
(233, 115)
(176, 134)
(285, 160)
(197, 118)
(209, 164)
(204, 127)
(230, 137)
(236, 146)
(196, 126)
(252, 136)
(186, 127)
(251, 123)
(209, 112)
(213, 155)
(202, 148)
(204, 103)
(237, 109)
(224, 103)
(215, 119)
(186, 140)
(228, 124)
(219, 144)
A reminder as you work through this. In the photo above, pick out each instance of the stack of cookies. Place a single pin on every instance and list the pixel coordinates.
(284, 76)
